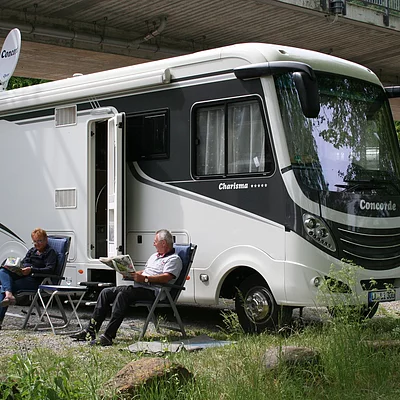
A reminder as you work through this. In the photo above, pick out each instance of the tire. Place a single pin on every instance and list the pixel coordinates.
(257, 309)
(356, 313)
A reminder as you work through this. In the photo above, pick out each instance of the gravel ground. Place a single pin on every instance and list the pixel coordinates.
(15, 340)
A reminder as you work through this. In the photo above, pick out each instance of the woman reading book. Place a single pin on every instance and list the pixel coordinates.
(40, 259)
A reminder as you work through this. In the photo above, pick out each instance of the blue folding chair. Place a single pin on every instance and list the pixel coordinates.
(61, 245)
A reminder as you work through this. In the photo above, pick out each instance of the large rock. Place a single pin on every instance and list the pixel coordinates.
(291, 356)
(145, 371)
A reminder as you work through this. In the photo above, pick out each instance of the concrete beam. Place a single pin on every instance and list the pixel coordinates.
(61, 62)
(355, 13)
(395, 105)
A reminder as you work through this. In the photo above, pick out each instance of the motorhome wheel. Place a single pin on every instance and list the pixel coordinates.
(256, 307)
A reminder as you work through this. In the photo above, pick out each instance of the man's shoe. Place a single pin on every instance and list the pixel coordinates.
(83, 336)
(103, 340)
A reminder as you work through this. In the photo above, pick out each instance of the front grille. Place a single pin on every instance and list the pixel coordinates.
(374, 249)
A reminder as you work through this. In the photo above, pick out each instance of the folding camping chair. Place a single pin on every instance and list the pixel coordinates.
(61, 245)
(169, 293)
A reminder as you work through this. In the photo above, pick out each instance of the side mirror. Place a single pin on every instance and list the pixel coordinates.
(303, 75)
(307, 88)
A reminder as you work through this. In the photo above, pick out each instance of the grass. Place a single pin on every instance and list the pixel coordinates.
(348, 368)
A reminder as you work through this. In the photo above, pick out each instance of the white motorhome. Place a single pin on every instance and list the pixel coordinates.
(235, 149)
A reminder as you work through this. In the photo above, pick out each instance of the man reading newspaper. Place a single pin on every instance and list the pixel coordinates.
(162, 267)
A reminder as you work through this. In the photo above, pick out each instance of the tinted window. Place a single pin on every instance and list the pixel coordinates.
(147, 136)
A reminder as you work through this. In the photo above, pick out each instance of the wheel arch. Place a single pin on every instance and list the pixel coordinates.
(240, 262)
(232, 280)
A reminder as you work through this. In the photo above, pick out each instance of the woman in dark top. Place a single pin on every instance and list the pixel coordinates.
(40, 259)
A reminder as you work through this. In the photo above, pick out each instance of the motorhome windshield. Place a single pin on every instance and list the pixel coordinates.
(351, 146)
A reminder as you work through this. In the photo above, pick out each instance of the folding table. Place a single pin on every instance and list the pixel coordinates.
(73, 294)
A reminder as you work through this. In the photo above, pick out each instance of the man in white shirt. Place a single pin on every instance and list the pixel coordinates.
(162, 267)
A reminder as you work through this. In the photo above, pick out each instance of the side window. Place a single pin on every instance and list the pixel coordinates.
(147, 136)
(231, 139)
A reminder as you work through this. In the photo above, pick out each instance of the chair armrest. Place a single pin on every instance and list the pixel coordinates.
(38, 275)
(96, 284)
(160, 285)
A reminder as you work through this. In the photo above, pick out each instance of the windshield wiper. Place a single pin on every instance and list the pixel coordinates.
(372, 183)
(350, 185)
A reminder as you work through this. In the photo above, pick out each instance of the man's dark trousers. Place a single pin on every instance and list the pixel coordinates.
(121, 297)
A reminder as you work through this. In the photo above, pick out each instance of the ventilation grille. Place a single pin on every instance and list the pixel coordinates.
(65, 198)
(372, 249)
(65, 116)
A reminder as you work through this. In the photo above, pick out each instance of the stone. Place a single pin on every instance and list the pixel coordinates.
(383, 344)
(145, 372)
(291, 356)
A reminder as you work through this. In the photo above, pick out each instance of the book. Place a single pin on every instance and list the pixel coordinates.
(122, 264)
(13, 264)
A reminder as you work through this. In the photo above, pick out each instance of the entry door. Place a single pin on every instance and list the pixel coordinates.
(115, 186)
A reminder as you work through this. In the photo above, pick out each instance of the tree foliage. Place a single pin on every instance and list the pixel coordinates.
(18, 82)
(397, 124)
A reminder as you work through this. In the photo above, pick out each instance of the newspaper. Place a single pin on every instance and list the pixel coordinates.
(13, 264)
(122, 264)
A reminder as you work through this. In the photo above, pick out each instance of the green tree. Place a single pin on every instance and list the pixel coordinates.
(18, 82)
(397, 124)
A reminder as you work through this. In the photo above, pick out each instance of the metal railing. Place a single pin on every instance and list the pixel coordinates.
(388, 7)
(383, 4)
(386, 4)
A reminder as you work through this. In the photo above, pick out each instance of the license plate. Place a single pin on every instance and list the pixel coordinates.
(381, 296)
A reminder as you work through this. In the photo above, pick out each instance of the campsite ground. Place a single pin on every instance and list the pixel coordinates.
(13, 339)
(196, 319)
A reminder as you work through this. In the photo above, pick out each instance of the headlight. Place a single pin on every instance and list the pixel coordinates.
(318, 231)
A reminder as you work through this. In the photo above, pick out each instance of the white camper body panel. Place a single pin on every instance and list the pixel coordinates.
(238, 239)
(45, 163)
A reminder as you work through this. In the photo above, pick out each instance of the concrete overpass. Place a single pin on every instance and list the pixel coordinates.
(84, 36)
